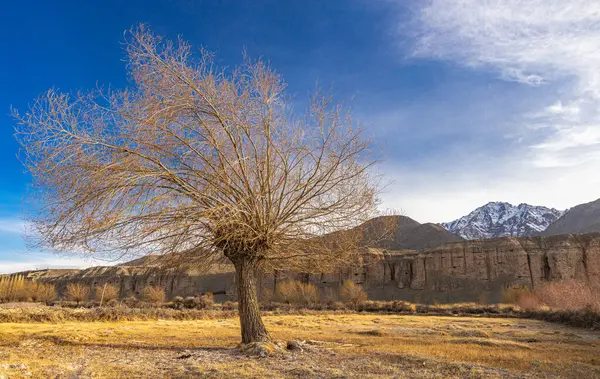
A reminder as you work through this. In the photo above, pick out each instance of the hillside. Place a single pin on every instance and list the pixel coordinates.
(584, 218)
(404, 233)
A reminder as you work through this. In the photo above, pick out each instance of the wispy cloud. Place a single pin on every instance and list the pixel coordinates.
(11, 225)
(533, 42)
(529, 41)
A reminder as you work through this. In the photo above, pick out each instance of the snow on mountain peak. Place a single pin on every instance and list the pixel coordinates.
(501, 219)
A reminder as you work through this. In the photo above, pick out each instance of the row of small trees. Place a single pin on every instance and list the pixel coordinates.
(109, 293)
(18, 288)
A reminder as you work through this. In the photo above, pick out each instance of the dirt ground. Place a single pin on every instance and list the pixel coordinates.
(340, 346)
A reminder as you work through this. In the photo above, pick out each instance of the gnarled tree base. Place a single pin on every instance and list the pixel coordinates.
(261, 349)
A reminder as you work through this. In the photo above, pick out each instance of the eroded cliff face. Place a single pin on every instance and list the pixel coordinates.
(131, 280)
(521, 261)
(473, 270)
(462, 271)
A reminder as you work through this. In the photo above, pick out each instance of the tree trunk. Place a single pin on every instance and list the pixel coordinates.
(253, 329)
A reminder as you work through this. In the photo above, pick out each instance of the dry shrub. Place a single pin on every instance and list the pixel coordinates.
(154, 294)
(24, 291)
(521, 296)
(43, 292)
(296, 292)
(177, 302)
(130, 301)
(529, 300)
(569, 295)
(77, 292)
(203, 301)
(564, 295)
(353, 293)
(106, 293)
(512, 295)
(207, 300)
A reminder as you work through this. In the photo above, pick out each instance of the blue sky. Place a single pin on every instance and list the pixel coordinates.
(471, 100)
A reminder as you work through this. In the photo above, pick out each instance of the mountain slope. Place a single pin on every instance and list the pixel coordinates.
(405, 233)
(584, 218)
(498, 219)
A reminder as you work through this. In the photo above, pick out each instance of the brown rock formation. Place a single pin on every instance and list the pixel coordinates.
(460, 271)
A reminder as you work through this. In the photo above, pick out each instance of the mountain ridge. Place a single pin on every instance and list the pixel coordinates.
(502, 219)
(582, 218)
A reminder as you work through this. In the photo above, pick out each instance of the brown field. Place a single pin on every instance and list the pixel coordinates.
(337, 345)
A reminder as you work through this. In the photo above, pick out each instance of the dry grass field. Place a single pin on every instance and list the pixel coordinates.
(336, 345)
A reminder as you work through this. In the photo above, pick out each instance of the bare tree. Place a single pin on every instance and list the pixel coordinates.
(199, 162)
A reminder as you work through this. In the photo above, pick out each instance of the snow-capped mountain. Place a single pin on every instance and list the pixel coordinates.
(497, 219)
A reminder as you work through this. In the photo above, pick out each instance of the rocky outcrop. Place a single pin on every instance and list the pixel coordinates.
(461, 271)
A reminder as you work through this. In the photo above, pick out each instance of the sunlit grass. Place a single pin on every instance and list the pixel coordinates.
(383, 343)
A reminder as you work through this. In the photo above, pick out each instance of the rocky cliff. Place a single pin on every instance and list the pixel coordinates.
(474, 269)
(461, 271)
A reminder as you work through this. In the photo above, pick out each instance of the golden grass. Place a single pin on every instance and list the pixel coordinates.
(352, 345)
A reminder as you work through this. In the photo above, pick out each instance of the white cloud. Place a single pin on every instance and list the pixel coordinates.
(532, 42)
(568, 110)
(13, 226)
